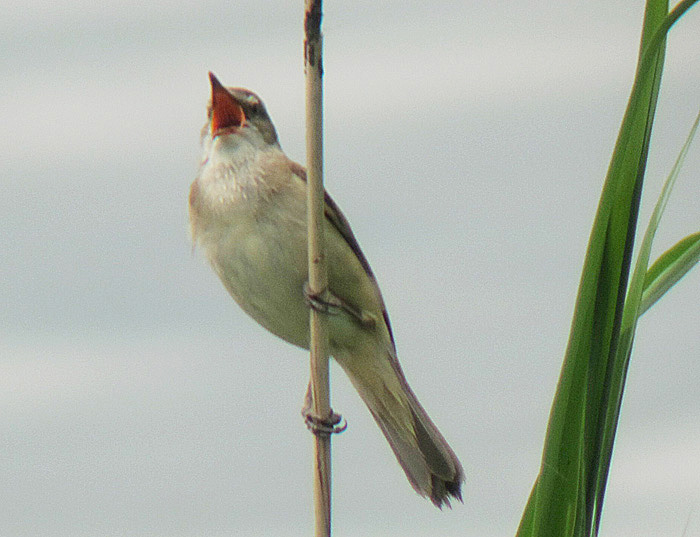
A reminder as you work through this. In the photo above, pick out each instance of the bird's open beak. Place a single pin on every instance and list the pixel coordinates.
(226, 113)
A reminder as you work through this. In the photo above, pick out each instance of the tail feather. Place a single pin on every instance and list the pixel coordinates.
(446, 471)
(430, 464)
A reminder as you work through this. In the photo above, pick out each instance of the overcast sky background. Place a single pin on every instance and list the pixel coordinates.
(466, 142)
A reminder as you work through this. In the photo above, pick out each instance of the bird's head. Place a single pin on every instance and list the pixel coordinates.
(238, 112)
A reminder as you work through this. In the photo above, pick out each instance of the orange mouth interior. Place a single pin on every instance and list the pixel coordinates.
(226, 113)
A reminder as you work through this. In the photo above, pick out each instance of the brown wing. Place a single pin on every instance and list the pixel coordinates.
(336, 217)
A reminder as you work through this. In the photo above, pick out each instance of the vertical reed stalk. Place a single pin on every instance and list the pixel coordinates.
(318, 278)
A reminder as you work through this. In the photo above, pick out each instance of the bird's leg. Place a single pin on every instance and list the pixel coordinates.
(333, 424)
(332, 305)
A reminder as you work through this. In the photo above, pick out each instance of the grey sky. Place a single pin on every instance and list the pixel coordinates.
(467, 144)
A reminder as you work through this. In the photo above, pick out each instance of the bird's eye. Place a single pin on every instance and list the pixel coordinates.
(254, 103)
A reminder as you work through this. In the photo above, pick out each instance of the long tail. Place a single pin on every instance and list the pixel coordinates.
(430, 464)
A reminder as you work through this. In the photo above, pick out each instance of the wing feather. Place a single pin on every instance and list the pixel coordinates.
(337, 219)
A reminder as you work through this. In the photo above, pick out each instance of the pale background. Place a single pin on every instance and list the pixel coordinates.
(466, 142)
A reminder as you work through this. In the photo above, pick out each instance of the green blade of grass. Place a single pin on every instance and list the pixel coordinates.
(671, 266)
(674, 263)
(568, 494)
(631, 312)
(563, 501)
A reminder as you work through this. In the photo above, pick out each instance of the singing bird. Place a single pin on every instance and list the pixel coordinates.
(248, 214)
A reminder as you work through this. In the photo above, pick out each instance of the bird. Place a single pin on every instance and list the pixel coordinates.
(247, 209)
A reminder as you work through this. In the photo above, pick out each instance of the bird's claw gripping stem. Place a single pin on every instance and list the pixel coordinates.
(327, 302)
(333, 424)
(323, 304)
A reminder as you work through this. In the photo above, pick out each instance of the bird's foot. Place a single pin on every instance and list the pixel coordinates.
(322, 302)
(327, 302)
(333, 424)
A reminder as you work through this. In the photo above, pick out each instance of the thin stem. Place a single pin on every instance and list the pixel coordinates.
(318, 278)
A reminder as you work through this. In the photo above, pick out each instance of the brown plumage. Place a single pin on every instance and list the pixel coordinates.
(248, 213)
